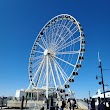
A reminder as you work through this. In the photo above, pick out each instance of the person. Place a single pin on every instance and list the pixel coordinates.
(42, 108)
(57, 107)
(93, 104)
(89, 106)
(101, 106)
(61, 108)
(73, 103)
(63, 104)
(69, 105)
(109, 105)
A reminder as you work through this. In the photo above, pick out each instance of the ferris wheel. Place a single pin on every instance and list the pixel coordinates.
(57, 53)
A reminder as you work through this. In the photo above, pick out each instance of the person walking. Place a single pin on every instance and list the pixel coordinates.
(69, 105)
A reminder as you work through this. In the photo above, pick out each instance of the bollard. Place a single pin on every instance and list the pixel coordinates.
(51, 101)
(47, 103)
(99, 100)
(2, 102)
(22, 102)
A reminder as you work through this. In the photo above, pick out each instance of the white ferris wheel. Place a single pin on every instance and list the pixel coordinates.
(57, 54)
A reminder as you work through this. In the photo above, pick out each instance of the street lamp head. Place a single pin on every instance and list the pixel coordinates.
(100, 66)
(100, 83)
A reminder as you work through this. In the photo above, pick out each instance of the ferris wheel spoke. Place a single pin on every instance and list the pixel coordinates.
(68, 44)
(52, 36)
(71, 32)
(47, 75)
(35, 66)
(39, 52)
(52, 74)
(64, 61)
(41, 46)
(38, 69)
(68, 52)
(43, 80)
(70, 23)
(59, 36)
(62, 26)
(48, 33)
(69, 35)
(40, 74)
(36, 63)
(64, 79)
(62, 71)
(46, 38)
(55, 34)
(44, 42)
(38, 57)
(65, 29)
(57, 73)
(56, 69)
(56, 30)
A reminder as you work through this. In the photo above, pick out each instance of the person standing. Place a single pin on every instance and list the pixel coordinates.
(73, 103)
(63, 104)
(89, 106)
(101, 107)
(93, 104)
(57, 107)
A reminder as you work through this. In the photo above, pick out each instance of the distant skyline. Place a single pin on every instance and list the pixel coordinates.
(20, 23)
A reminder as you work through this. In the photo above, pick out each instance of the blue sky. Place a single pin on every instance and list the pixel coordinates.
(20, 22)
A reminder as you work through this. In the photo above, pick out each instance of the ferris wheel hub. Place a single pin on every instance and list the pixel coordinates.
(46, 52)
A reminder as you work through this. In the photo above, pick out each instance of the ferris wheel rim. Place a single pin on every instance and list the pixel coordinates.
(80, 54)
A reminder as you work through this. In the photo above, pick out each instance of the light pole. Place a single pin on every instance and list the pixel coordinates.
(102, 82)
(89, 95)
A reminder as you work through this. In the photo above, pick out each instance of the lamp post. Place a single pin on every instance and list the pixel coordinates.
(102, 82)
(89, 95)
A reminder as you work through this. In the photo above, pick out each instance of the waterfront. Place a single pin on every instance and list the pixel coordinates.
(32, 104)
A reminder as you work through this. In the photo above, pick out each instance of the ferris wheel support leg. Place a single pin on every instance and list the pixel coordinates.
(47, 77)
(37, 96)
(28, 87)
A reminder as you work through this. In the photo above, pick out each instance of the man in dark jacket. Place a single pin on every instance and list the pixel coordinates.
(101, 107)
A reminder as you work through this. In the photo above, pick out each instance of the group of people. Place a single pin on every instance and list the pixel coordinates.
(101, 106)
(70, 104)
